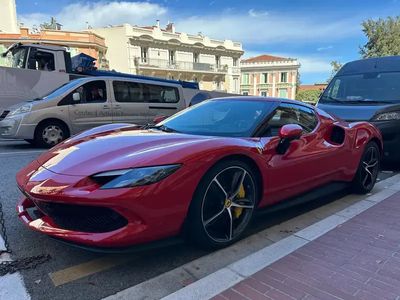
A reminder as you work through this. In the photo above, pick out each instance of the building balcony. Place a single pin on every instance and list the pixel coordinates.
(165, 64)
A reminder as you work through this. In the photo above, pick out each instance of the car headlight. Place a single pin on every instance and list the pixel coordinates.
(386, 116)
(134, 177)
(20, 110)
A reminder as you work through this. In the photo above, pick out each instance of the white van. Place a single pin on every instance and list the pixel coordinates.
(89, 102)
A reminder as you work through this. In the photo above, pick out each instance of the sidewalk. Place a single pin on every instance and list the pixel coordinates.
(356, 257)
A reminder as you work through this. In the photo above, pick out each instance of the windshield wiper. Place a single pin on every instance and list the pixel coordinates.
(159, 127)
(369, 101)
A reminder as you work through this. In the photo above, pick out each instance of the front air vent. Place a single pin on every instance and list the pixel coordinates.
(4, 114)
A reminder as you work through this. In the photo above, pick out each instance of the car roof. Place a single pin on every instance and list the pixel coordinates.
(269, 99)
(375, 64)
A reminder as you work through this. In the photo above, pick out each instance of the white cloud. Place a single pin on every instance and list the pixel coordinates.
(254, 13)
(98, 14)
(325, 48)
(270, 29)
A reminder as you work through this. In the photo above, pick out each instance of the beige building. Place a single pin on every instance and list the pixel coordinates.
(269, 76)
(165, 53)
(8, 17)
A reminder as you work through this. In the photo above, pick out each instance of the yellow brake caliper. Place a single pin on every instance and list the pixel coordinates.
(238, 210)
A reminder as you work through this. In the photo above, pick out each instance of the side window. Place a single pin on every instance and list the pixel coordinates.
(307, 118)
(41, 60)
(149, 93)
(291, 114)
(92, 92)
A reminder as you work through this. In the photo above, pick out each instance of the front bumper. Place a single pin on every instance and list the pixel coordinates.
(391, 139)
(152, 212)
(14, 128)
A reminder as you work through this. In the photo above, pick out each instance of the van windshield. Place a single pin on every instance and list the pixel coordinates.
(62, 89)
(368, 87)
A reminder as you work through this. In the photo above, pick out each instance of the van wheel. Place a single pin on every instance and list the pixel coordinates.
(50, 133)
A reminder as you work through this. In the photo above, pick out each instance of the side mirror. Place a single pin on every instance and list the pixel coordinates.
(158, 119)
(288, 133)
(76, 97)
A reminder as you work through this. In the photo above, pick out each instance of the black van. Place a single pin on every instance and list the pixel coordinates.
(369, 90)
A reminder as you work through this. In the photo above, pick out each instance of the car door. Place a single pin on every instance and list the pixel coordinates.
(92, 107)
(307, 163)
(140, 102)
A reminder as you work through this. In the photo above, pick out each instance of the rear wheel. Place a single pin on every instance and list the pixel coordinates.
(368, 169)
(50, 133)
(223, 205)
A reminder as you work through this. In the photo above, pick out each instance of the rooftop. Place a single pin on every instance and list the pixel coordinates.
(266, 58)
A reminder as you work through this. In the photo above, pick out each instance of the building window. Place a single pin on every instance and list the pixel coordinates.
(235, 62)
(245, 78)
(284, 77)
(235, 85)
(246, 93)
(264, 78)
(196, 58)
(144, 54)
(283, 93)
(217, 61)
(264, 93)
(171, 57)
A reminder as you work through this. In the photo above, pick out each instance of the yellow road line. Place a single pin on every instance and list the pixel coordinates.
(88, 268)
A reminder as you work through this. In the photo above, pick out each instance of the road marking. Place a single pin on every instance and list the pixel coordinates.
(88, 268)
(21, 152)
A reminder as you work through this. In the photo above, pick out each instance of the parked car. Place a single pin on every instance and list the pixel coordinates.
(202, 172)
(93, 101)
(369, 90)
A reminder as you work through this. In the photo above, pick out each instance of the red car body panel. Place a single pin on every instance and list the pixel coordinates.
(158, 211)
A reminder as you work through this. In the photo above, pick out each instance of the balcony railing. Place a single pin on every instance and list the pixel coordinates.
(180, 65)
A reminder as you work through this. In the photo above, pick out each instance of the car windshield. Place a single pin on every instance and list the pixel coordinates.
(220, 117)
(368, 87)
(18, 57)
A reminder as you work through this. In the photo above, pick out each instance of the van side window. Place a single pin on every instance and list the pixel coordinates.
(134, 92)
(92, 92)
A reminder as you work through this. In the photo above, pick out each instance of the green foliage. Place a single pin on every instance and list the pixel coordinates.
(335, 68)
(383, 37)
(308, 95)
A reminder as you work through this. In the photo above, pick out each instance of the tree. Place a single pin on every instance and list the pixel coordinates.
(383, 37)
(335, 68)
(308, 95)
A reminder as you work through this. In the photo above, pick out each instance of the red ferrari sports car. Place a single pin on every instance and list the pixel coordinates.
(202, 171)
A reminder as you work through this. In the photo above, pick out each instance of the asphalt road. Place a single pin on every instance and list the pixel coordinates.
(73, 273)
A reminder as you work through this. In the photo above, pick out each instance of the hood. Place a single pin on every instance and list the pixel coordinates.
(356, 112)
(118, 149)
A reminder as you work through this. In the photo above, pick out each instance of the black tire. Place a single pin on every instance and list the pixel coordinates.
(368, 169)
(213, 233)
(46, 139)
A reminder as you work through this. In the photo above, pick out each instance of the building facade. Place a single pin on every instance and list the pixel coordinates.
(269, 76)
(8, 17)
(165, 53)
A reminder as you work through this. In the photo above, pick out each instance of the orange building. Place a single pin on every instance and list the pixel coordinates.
(269, 76)
(77, 42)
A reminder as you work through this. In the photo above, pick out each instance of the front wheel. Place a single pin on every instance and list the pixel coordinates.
(223, 205)
(368, 169)
(49, 134)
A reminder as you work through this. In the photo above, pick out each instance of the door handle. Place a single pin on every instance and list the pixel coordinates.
(117, 106)
(106, 107)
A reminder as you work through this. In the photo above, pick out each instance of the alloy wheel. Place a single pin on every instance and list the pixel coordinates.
(228, 204)
(370, 167)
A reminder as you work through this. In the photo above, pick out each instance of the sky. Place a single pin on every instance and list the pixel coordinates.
(315, 32)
